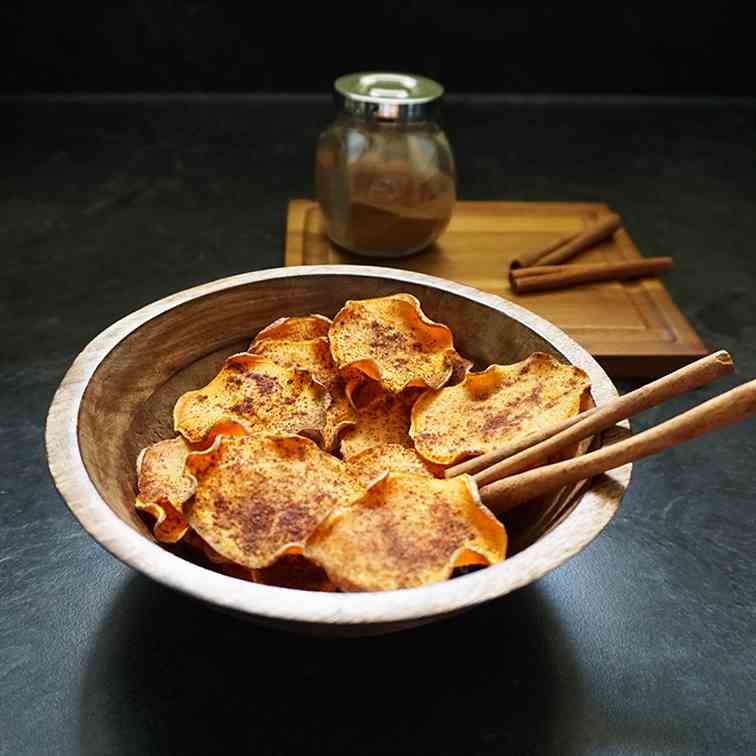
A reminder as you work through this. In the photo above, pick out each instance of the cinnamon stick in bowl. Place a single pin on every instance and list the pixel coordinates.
(535, 448)
(731, 407)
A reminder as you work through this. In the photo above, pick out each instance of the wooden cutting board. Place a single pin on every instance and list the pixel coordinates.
(633, 328)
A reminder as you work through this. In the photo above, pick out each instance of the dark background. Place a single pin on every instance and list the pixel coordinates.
(643, 643)
(660, 48)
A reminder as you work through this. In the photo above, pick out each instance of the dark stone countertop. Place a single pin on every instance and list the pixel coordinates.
(643, 643)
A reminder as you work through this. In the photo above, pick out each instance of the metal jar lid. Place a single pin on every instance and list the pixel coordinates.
(388, 96)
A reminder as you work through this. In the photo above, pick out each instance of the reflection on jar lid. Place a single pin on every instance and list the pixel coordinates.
(388, 96)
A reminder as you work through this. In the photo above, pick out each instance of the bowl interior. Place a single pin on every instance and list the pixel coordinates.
(129, 400)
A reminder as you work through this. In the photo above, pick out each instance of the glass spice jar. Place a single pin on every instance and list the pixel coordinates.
(384, 170)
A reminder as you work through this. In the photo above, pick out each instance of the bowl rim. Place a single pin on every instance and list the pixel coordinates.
(591, 514)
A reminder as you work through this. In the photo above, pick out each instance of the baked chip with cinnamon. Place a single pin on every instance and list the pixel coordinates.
(163, 488)
(295, 329)
(499, 405)
(259, 497)
(382, 419)
(258, 395)
(372, 463)
(288, 571)
(391, 340)
(340, 416)
(169, 525)
(195, 541)
(314, 356)
(407, 531)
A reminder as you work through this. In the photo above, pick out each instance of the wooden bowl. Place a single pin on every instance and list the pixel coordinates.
(118, 395)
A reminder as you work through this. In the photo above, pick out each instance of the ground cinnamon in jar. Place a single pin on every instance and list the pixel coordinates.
(384, 169)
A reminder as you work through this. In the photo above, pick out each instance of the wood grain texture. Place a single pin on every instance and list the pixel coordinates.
(633, 328)
(117, 395)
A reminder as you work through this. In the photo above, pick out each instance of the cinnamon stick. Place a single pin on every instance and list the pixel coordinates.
(547, 270)
(528, 259)
(730, 407)
(476, 464)
(569, 246)
(685, 379)
(540, 278)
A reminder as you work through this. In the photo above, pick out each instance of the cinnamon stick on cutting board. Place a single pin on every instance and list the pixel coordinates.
(544, 277)
(569, 246)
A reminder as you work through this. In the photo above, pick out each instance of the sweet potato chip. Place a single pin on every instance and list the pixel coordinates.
(295, 329)
(169, 525)
(314, 355)
(163, 488)
(290, 571)
(340, 416)
(160, 472)
(499, 405)
(258, 395)
(197, 542)
(374, 462)
(407, 531)
(391, 340)
(384, 419)
(259, 497)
